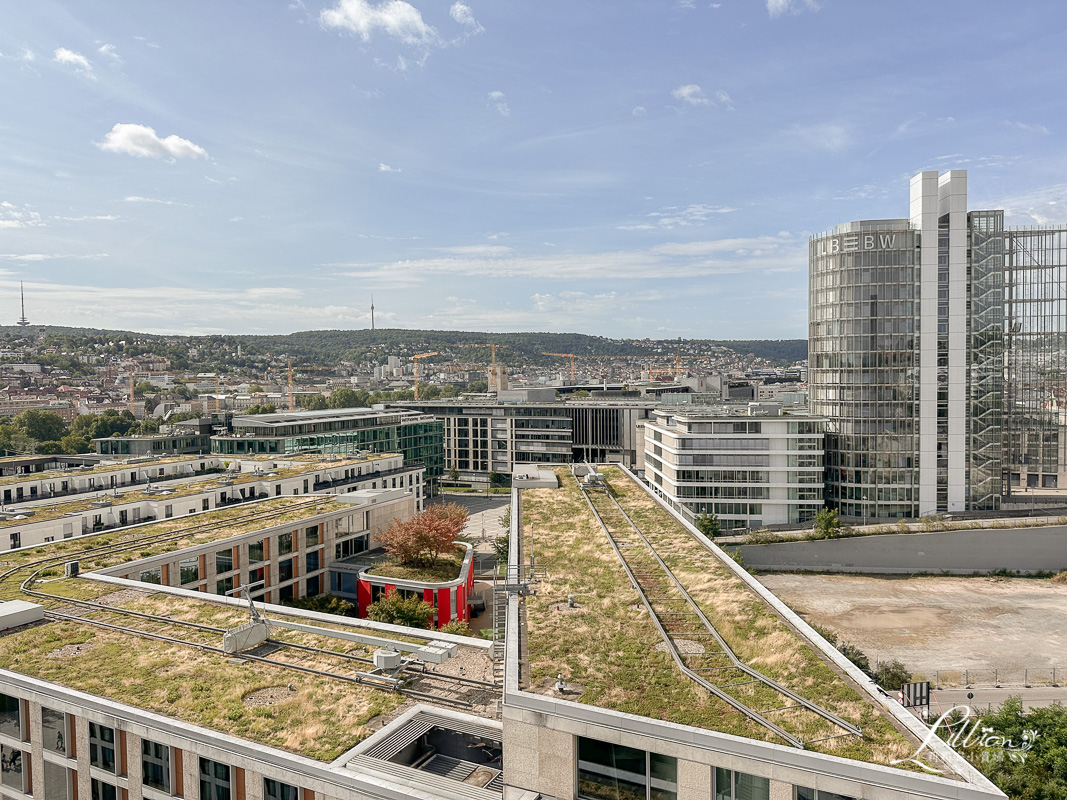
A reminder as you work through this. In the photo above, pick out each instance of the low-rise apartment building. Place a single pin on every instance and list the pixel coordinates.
(752, 466)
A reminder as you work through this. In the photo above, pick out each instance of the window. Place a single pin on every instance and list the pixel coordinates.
(214, 780)
(102, 747)
(256, 575)
(803, 793)
(54, 730)
(11, 767)
(152, 575)
(189, 570)
(56, 781)
(255, 552)
(16, 540)
(285, 570)
(275, 790)
(314, 586)
(730, 785)
(102, 791)
(168, 511)
(614, 772)
(155, 765)
(311, 536)
(224, 560)
(224, 586)
(10, 716)
(285, 543)
(312, 561)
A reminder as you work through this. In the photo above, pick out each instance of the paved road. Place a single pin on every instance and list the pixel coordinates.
(984, 699)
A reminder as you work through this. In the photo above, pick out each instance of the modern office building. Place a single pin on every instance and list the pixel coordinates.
(502, 435)
(339, 431)
(756, 466)
(906, 357)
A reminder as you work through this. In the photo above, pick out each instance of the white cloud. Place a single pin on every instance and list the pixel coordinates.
(12, 216)
(92, 218)
(51, 256)
(133, 198)
(831, 136)
(109, 51)
(387, 168)
(497, 99)
(79, 62)
(1029, 128)
(724, 99)
(396, 18)
(461, 13)
(777, 8)
(487, 250)
(669, 260)
(143, 142)
(678, 216)
(639, 111)
(692, 94)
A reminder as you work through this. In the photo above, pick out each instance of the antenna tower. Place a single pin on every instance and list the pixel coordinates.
(22, 320)
(372, 312)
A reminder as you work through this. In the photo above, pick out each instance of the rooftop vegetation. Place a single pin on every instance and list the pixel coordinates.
(607, 646)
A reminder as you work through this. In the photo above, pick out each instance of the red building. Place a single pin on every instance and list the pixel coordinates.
(450, 599)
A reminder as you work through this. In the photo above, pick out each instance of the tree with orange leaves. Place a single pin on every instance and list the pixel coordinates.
(422, 539)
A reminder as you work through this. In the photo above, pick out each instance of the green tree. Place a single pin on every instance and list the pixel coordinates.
(49, 448)
(478, 387)
(343, 398)
(429, 392)
(72, 443)
(312, 402)
(396, 609)
(100, 426)
(44, 426)
(324, 603)
(827, 524)
(709, 525)
(453, 473)
(856, 656)
(891, 675)
(265, 408)
(494, 477)
(255, 388)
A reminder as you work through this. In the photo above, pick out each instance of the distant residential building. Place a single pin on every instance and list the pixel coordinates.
(753, 468)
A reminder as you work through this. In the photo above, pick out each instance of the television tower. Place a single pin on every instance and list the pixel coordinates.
(372, 312)
(22, 320)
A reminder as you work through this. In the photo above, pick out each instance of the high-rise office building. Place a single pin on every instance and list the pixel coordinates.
(906, 360)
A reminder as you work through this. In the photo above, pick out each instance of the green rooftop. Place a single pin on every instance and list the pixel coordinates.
(606, 648)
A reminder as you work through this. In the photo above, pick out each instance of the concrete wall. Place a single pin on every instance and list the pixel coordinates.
(952, 552)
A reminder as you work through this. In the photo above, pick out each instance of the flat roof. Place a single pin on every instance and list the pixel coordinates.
(612, 656)
(301, 465)
(266, 695)
(325, 415)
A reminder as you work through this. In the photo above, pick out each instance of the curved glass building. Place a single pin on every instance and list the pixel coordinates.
(905, 355)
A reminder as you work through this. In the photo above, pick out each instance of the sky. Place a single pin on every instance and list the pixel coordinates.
(632, 168)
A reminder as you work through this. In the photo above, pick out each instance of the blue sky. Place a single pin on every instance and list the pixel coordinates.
(624, 168)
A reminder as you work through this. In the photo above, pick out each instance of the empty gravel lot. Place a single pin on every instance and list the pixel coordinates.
(940, 624)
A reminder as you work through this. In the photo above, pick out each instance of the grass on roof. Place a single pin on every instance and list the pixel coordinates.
(319, 718)
(607, 646)
(446, 568)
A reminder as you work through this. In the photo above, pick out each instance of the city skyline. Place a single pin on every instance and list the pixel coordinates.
(628, 169)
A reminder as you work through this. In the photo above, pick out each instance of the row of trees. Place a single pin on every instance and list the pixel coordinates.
(45, 432)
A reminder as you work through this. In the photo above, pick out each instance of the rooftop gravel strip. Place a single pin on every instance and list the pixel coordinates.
(607, 646)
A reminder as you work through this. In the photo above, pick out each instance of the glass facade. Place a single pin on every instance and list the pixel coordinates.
(1035, 304)
(863, 365)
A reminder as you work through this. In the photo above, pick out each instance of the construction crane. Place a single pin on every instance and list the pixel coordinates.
(493, 345)
(571, 356)
(677, 369)
(292, 406)
(416, 360)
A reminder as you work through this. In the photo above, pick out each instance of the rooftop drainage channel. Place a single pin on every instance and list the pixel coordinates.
(662, 582)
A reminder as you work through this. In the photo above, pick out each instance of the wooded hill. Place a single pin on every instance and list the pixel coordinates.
(328, 347)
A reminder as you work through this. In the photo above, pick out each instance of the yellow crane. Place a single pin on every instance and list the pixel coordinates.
(493, 345)
(416, 360)
(571, 356)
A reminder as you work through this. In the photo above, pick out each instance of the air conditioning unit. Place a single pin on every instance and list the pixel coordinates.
(71, 569)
